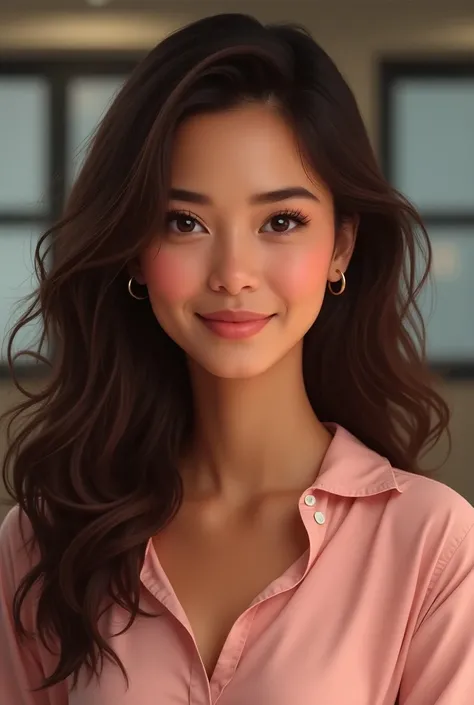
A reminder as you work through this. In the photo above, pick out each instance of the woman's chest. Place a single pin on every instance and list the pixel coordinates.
(338, 635)
(216, 575)
(300, 646)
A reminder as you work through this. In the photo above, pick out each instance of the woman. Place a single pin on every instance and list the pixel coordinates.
(229, 438)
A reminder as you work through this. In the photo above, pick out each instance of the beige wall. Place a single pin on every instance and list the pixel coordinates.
(355, 34)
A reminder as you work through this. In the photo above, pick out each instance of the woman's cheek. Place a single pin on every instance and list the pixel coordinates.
(301, 273)
(171, 274)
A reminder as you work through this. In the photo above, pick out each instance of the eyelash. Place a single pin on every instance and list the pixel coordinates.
(296, 215)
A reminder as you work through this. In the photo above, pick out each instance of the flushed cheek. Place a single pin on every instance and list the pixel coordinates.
(301, 274)
(171, 274)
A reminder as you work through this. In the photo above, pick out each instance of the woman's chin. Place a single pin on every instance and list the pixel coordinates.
(231, 368)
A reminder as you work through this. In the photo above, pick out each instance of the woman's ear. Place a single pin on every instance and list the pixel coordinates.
(346, 237)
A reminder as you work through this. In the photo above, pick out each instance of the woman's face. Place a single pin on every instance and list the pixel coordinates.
(239, 273)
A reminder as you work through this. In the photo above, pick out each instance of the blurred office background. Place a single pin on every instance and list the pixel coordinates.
(409, 62)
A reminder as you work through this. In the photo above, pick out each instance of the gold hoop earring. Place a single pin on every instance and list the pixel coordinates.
(342, 287)
(130, 291)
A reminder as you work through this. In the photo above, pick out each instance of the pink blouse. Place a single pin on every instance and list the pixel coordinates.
(381, 603)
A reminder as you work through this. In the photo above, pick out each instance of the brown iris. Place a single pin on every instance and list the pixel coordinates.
(185, 223)
(280, 223)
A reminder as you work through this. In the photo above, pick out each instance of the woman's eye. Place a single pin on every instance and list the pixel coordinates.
(183, 223)
(281, 224)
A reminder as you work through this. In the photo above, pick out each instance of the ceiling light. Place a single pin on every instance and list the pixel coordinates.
(97, 3)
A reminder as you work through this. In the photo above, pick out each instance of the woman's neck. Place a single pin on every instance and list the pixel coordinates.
(254, 436)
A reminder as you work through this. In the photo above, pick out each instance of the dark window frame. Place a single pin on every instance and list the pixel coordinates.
(392, 70)
(57, 70)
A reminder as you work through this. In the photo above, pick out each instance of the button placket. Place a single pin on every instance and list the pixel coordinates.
(312, 510)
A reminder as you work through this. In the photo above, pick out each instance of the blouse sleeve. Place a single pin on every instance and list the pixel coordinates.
(440, 664)
(22, 663)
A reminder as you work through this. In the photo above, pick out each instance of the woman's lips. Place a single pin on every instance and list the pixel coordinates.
(235, 325)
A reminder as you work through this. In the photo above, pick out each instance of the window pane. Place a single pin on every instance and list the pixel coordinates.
(433, 147)
(17, 244)
(448, 303)
(24, 146)
(88, 99)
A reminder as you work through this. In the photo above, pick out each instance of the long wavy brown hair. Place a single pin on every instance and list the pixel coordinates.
(94, 463)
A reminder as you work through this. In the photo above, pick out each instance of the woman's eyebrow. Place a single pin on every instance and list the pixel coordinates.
(179, 194)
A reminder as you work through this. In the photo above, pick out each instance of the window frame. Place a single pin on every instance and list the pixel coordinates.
(57, 69)
(392, 70)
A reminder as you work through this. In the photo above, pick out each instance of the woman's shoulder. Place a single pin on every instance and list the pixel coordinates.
(434, 519)
(425, 516)
(356, 470)
(432, 497)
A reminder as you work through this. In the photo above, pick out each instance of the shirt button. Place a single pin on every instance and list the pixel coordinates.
(309, 500)
(319, 517)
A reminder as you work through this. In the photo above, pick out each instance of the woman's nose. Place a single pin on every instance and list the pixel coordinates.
(235, 267)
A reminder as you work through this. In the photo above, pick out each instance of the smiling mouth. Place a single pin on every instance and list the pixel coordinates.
(235, 325)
